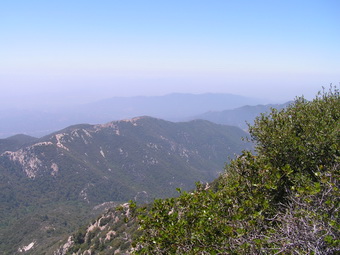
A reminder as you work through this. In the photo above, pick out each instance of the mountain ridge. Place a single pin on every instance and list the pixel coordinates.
(15, 142)
(84, 165)
(239, 117)
(173, 107)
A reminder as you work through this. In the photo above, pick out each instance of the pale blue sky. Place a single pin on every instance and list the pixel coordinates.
(98, 49)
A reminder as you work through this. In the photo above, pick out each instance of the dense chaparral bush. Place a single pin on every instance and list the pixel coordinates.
(282, 199)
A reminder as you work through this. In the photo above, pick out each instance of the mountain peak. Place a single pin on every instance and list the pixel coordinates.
(136, 119)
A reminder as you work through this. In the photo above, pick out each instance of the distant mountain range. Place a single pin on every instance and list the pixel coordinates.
(173, 107)
(49, 185)
(238, 117)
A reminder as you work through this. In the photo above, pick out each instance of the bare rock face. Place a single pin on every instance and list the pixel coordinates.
(64, 249)
(112, 231)
(26, 248)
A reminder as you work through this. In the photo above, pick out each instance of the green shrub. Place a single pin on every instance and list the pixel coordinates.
(290, 183)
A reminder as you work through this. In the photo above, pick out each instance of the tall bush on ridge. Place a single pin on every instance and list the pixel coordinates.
(305, 135)
(284, 199)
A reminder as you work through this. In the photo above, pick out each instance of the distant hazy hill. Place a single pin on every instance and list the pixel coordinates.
(15, 142)
(174, 107)
(85, 165)
(171, 107)
(240, 116)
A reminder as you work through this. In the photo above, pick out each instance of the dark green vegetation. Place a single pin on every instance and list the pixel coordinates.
(50, 186)
(15, 142)
(113, 232)
(283, 200)
(42, 224)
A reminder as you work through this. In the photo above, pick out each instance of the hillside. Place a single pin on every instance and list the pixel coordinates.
(85, 165)
(283, 200)
(112, 232)
(240, 116)
(15, 142)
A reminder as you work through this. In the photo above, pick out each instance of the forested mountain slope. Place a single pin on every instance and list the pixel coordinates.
(283, 200)
(15, 142)
(86, 165)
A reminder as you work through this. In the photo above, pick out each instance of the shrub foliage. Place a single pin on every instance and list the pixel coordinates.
(282, 199)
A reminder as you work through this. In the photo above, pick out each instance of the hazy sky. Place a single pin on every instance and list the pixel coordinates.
(77, 50)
